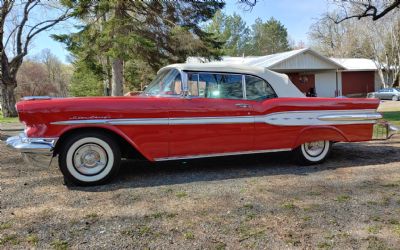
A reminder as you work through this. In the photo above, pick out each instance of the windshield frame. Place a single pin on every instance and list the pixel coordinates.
(162, 75)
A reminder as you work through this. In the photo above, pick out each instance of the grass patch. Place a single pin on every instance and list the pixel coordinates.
(59, 244)
(188, 236)
(160, 215)
(144, 230)
(324, 245)
(396, 229)
(11, 239)
(181, 194)
(5, 225)
(32, 239)
(342, 198)
(288, 205)
(91, 216)
(392, 117)
(8, 119)
(375, 218)
(373, 229)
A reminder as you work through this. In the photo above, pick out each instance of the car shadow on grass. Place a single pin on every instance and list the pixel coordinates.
(136, 174)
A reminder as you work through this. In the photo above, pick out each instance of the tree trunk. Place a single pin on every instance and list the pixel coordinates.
(117, 77)
(8, 100)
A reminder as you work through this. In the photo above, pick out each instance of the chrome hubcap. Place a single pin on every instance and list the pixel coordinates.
(314, 148)
(90, 159)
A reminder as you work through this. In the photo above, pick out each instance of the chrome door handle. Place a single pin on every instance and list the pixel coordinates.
(242, 105)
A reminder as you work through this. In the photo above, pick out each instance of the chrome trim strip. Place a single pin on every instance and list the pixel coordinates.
(306, 118)
(352, 117)
(212, 120)
(289, 118)
(222, 154)
(134, 121)
(31, 98)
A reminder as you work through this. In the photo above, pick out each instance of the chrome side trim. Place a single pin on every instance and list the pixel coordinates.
(289, 118)
(318, 117)
(31, 98)
(134, 121)
(211, 120)
(352, 117)
(221, 154)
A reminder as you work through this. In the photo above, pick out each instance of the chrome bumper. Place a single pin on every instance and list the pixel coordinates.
(392, 130)
(36, 151)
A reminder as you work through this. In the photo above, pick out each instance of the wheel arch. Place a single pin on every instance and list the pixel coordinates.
(128, 148)
(320, 133)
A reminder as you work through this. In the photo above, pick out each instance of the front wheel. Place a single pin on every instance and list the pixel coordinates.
(395, 98)
(312, 152)
(89, 159)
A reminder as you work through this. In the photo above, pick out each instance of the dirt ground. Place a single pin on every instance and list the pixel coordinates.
(256, 201)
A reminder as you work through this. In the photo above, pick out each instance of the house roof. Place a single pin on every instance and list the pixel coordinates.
(281, 60)
(356, 64)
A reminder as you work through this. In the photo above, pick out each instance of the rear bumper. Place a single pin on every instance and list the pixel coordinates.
(36, 151)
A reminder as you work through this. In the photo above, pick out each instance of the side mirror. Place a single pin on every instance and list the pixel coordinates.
(145, 87)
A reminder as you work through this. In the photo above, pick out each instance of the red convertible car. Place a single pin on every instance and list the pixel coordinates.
(189, 111)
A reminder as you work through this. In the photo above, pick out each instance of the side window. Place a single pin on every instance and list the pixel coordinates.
(258, 89)
(215, 85)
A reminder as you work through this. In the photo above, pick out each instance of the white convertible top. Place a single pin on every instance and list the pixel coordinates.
(279, 82)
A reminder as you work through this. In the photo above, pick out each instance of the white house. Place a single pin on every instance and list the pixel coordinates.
(308, 69)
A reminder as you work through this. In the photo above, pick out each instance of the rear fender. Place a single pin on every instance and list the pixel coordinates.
(320, 133)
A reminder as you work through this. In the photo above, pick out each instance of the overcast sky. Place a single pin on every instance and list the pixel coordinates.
(296, 16)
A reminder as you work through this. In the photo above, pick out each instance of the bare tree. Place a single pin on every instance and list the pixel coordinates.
(385, 40)
(375, 9)
(24, 19)
(348, 9)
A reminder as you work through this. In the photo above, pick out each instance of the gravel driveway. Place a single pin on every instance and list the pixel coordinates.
(256, 201)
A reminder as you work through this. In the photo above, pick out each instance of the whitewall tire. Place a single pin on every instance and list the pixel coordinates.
(395, 98)
(89, 158)
(312, 152)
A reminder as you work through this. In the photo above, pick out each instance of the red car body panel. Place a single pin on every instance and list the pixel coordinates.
(157, 141)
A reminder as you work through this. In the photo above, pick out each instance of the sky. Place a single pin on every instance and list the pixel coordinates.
(295, 15)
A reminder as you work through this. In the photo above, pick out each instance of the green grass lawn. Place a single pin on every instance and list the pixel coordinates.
(392, 117)
(7, 120)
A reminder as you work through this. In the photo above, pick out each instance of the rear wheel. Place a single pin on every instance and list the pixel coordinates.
(89, 159)
(312, 152)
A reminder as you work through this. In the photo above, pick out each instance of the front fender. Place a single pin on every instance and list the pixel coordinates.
(320, 133)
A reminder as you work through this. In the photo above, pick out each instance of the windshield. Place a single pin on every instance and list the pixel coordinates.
(167, 82)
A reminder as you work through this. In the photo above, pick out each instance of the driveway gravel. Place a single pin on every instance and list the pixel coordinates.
(352, 201)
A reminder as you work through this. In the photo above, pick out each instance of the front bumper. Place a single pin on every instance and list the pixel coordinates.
(36, 151)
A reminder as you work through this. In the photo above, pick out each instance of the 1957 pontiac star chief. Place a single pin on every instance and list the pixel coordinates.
(189, 111)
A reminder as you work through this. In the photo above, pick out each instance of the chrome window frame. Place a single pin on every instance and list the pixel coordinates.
(185, 86)
(244, 79)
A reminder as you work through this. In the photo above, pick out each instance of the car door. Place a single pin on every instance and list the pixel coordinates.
(263, 100)
(214, 118)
